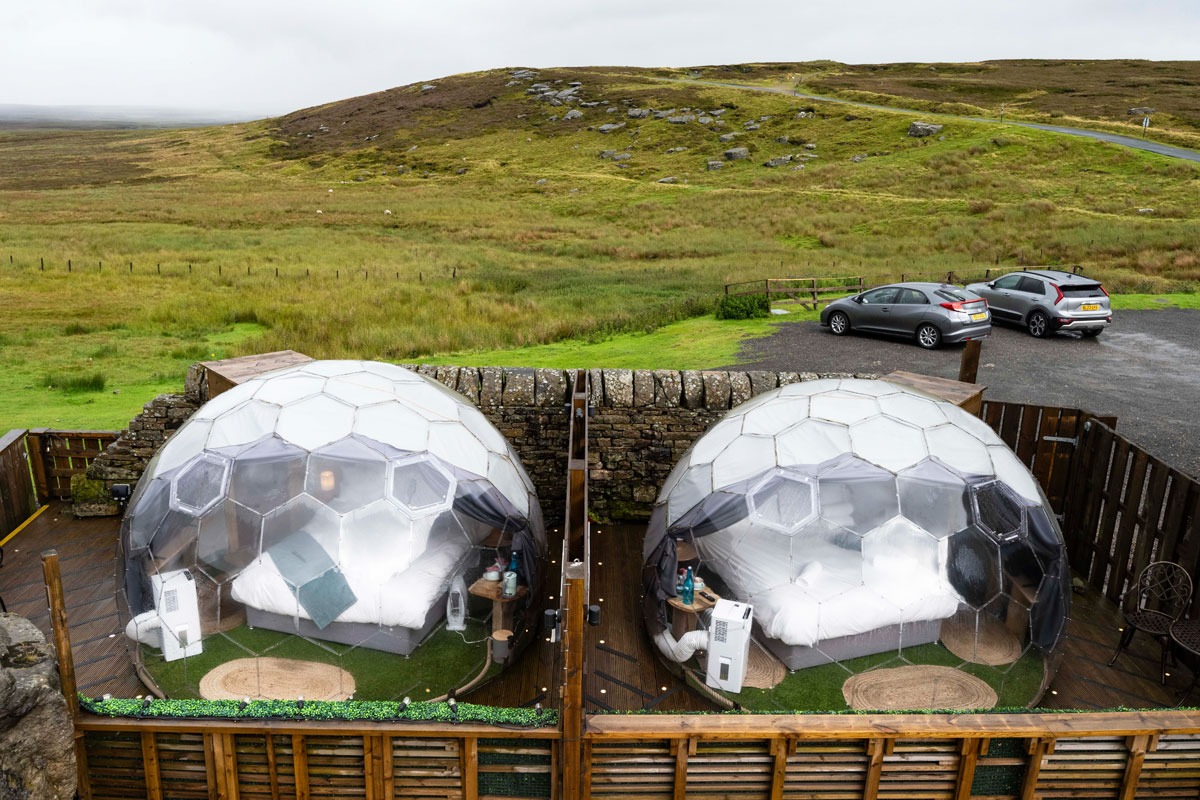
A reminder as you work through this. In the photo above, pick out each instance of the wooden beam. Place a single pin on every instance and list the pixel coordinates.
(1138, 746)
(969, 751)
(679, 749)
(968, 367)
(272, 766)
(150, 767)
(1039, 750)
(300, 766)
(468, 754)
(876, 750)
(572, 711)
(225, 768)
(780, 750)
(52, 574)
(633, 727)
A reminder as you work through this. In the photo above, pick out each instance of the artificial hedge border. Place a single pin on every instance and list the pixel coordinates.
(311, 710)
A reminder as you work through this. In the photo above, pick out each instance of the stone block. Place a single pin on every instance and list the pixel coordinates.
(668, 388)
(717, 391)
(469, 384)
(550, 388)
(693, 389)
(739, 388)
(643, 388)
(762, 381)
(491, 389)
(518, 387)
(618, 388)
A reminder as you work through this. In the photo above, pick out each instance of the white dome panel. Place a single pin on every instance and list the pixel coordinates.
(393, 424)
(243, 424)
(888, 442)
(913, 408)
(183, 445)
(315, 421)
(712, 443)
(288, 388)
(842, 406)
(960, 449)
(811, 442)
(742, 459)
(772, 418)
(456, 445)
(1010, 470)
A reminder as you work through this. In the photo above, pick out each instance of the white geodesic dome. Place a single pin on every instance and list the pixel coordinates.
(842, 507)
(333, 491)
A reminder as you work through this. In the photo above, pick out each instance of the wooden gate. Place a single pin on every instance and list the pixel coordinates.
(18, 499)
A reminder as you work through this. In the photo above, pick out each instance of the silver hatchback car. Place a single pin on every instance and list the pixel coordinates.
(1048, 300)
(930, 313)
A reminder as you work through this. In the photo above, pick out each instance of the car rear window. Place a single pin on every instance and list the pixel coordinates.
(955, 296)
(1092, 290)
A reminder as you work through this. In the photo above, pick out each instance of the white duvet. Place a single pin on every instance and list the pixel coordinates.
(836, 592)
(402, 600)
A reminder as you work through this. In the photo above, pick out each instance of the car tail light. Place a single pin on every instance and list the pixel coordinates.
(1101, 288)
(957, 306)
(1058, 292)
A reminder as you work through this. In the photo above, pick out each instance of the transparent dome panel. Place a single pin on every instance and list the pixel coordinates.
(783, 501)
(998, 511)
(346, 475)
(268, 474)
(200, 484)
(304, 514)
(857, 496)
(419, 486)
(934, 498)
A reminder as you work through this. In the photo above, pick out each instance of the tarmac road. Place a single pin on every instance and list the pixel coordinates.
(1145, 370)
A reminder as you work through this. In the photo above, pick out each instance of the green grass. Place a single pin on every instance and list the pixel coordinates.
(510, 240)
(1147, 302)
(820, 688)
(442, 662)
(698, 343)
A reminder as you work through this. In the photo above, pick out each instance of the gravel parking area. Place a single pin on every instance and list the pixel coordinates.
(1145, 370)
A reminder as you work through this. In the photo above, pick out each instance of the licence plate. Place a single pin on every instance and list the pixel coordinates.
(1090, 307)
(980, 316)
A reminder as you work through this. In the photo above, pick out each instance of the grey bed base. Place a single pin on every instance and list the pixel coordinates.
(402, 641)
(880, 640)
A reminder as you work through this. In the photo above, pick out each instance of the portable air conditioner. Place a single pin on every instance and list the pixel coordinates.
(729, 644)
(456, 605)
(174, 624)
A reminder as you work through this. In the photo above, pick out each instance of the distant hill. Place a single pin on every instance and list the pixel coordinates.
(109, 117)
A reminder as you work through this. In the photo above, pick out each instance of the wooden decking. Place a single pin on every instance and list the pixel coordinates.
(623, 672)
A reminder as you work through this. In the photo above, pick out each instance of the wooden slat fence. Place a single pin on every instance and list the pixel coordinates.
(18, 497)
(57, 455)
(1126, 508)
(272, 759)
(850, 757)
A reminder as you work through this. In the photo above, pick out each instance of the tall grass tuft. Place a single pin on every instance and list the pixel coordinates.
(75, 384)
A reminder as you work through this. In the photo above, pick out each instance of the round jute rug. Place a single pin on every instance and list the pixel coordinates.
(990, 643)
(763, 670)
(916, 687)
(276, 679)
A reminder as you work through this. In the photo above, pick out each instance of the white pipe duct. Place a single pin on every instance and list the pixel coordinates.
(683, 649)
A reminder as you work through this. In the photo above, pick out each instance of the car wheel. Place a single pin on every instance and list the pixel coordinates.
(1092, 333)
(928, 336)
(1038, 325)
(839, 323)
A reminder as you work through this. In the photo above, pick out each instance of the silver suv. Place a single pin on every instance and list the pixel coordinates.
(1048, 300)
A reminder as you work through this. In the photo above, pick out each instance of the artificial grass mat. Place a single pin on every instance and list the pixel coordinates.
(820, 688)
(444, 661)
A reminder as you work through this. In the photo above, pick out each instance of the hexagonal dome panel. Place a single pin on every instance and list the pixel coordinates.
(420, 487)
(315, 421)
(784, 501)
(201, 484)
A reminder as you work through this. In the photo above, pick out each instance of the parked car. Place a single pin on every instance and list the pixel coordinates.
(930, 313)
(1048, 300)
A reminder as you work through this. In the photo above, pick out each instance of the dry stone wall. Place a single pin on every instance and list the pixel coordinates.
(642, 422)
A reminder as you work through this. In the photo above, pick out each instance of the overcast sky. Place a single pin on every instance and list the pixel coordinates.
(266, 57)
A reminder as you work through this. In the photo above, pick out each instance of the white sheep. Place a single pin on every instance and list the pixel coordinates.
(387, 212)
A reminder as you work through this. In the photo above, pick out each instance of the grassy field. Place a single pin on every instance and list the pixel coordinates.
(474, 223)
